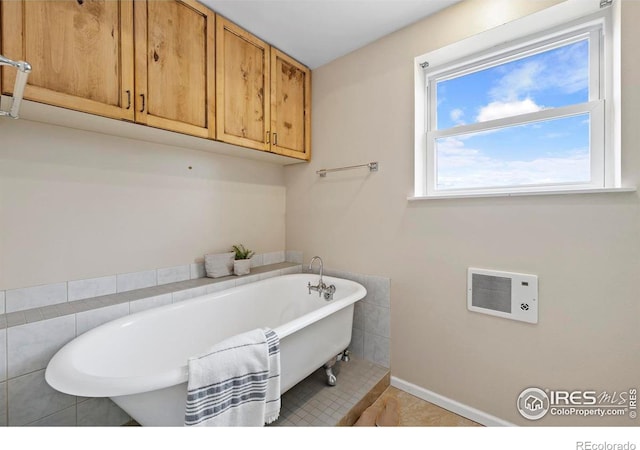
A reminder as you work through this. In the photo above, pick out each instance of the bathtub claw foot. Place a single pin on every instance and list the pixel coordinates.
(328, 369)
(328, 366)
(331, 377)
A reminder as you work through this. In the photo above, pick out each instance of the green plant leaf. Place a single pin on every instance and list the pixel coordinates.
(242, 252)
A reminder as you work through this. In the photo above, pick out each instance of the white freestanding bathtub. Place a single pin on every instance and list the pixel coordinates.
(140, 361)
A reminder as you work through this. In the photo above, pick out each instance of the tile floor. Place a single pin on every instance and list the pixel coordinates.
(313, 403)
(360, 384)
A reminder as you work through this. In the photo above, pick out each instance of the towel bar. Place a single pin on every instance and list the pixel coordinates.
(373, 167)
(18, 88)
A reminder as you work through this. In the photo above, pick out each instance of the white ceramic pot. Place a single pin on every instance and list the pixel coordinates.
(241, 266)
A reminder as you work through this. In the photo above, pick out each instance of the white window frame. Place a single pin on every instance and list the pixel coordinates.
(562, 24)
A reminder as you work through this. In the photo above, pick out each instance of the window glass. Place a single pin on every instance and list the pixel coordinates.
(554, 151)
(549, 79)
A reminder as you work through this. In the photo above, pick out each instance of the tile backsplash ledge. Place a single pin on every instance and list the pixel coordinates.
(26, 298)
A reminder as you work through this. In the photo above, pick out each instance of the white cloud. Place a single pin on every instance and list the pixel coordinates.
(569, 70)
(499, 109)
(461, 167)
(556, 135)
(564, 69)
(453, 153)
(456, 116)
(518, 82)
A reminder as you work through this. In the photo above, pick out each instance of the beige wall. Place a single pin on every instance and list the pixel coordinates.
(585, 248)
(77, 204)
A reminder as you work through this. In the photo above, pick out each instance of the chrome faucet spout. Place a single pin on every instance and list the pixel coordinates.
(321, 288)
(321, 266)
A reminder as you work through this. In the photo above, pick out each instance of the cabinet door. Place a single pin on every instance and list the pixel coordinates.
(174, 66)
(290, 106)
(81, 52)
(242, 79)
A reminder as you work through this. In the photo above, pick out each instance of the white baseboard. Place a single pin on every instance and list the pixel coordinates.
(454, 406)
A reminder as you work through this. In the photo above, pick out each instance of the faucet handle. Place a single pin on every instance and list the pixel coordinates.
(329, 291)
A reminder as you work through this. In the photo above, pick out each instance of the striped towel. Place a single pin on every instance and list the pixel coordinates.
(236, 383)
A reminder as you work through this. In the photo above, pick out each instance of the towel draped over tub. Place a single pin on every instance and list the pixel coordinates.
(236, 383)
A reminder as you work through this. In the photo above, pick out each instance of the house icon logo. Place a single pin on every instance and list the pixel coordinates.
(533, 403)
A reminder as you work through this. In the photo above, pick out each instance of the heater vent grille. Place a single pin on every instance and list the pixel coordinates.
(491, 292)
(503, 294)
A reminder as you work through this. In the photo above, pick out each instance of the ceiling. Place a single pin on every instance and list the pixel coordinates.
(318, 31)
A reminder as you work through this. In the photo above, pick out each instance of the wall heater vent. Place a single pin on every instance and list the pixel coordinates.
(503, 294)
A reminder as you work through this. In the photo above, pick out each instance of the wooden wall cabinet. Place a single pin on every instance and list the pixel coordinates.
(242, 87)
(174, 66)
(169, 64)
(81, 53)
(263, 96)
(290, 106)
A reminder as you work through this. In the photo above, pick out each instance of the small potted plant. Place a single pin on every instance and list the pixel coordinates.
(242, 262)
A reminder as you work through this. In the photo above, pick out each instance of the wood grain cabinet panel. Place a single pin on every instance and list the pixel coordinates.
(175, 88)
(242, 87)
(81, 52)
(290, 106)
(263, 97)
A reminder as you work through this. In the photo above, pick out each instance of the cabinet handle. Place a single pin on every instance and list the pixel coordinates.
(268, 137)
(275, 138)
(143, 106)
(128, 99)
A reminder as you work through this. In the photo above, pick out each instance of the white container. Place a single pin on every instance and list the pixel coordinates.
(241, 266)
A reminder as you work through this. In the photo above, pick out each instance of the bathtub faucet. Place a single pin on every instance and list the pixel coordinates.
(321, 288)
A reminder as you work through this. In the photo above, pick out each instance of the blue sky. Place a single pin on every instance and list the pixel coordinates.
(554, 151)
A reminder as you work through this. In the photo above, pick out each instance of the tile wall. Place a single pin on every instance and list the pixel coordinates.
(22, 299)
(371, 335)
(27, 344)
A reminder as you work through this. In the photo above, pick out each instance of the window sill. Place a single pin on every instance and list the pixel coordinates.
(522, 194)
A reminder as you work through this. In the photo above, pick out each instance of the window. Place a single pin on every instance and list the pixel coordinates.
(525, 117)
